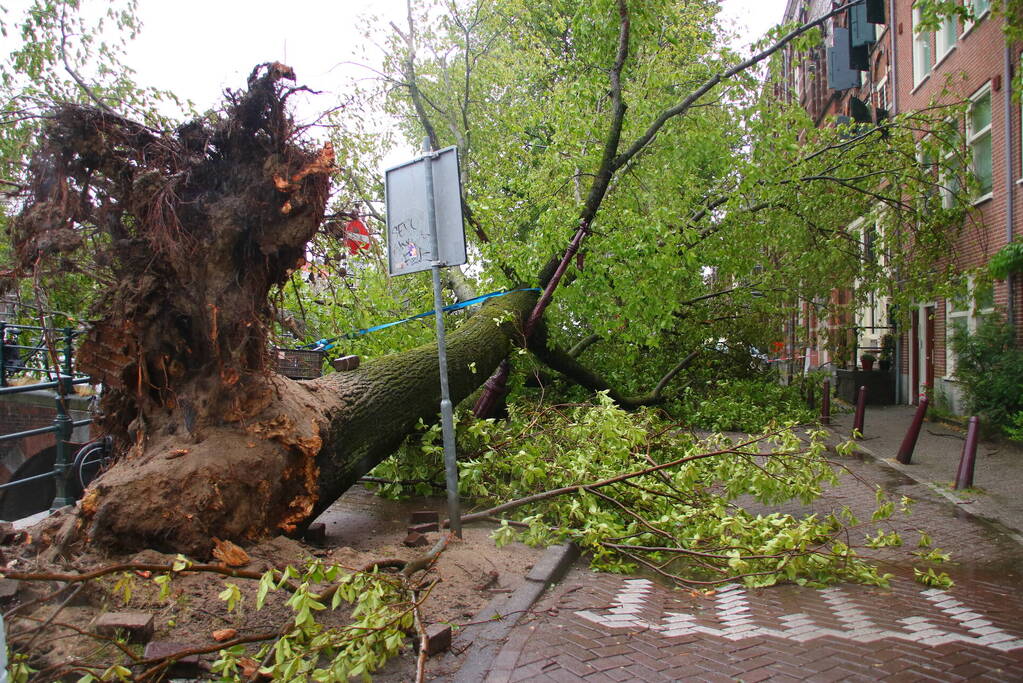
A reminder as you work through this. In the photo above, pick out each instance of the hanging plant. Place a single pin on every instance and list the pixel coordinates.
(1008, 259)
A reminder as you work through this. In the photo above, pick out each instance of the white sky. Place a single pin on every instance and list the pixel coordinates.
(196, 48)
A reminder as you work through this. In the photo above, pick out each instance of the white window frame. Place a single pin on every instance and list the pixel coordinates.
(973, 317)
(979, 14)
(949, 183)
(881, 93)
(945, 39)
(947, 180)
(924, 160)
(973, 136)
(922, 57)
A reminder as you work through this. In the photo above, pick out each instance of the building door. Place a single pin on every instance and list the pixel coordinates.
(914, 358)
(929, 348)
(922, 347)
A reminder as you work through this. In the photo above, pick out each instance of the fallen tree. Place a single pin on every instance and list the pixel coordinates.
(196, 228)
(192, 230)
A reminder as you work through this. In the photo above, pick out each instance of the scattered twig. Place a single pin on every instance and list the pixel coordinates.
(947, 436)
(49, 620)
(162, 663)
(138, 566)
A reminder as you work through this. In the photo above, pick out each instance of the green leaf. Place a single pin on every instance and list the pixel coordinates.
(231, 595)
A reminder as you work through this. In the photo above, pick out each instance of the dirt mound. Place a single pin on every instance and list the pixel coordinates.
(54, 621)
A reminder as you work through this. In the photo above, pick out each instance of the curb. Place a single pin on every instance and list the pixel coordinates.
(482, 653)
(959, 504)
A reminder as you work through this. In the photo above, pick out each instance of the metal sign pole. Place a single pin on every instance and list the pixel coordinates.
(446, 413)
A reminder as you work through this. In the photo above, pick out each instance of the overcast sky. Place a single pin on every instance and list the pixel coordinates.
(196, 48)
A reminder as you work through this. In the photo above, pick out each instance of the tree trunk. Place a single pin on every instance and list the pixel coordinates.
(301, 447)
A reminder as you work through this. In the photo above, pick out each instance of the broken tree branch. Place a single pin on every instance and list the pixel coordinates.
(553, 493)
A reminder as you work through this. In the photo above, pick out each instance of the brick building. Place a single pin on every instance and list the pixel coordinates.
(877, 62)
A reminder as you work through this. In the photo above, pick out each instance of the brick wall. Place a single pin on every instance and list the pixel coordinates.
(976, 60)
(30, 410)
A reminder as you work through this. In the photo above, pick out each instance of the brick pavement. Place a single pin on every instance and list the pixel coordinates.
(599, 627)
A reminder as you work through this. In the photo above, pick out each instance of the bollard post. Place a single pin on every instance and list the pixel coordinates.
(826, 402)
(861, 408)
(964, 477)
(905, 453)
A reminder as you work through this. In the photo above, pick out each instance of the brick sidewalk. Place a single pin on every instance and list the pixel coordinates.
(599, 627)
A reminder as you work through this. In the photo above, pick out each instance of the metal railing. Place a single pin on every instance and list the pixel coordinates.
(39, 356)
(17, 357)
(856, 348)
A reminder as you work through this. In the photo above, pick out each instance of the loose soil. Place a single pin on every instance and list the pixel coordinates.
(361, 529)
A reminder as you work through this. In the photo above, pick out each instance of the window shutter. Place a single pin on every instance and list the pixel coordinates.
(861, 31)
(859, 110)
(840, 76)
(875, 11)
(859, 57)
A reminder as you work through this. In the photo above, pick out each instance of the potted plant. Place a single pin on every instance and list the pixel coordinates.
(887, 352)
(867, 362)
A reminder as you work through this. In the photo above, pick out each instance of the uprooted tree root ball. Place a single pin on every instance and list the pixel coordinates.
(193, 229)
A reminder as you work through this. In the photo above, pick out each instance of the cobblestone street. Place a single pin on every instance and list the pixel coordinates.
(599, 627)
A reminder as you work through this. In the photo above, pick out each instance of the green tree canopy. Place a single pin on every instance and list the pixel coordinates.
(711, 205)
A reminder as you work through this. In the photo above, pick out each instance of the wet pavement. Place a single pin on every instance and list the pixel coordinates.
(600, 627)
(998, 470)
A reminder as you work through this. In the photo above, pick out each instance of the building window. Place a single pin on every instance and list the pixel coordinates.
(964, 314)
(798, 77)
(979, 8)
(948, 168)
(951, 179)
(927, 162)
(978, 137)
(882, 95)
(921, 50)
(945, 38)
(869, 244)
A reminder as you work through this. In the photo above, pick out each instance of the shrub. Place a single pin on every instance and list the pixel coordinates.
(1015, 430)
(990, 368)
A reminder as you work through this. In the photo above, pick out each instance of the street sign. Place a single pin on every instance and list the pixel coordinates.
(425, 232)
(409, 243)
(356, 236)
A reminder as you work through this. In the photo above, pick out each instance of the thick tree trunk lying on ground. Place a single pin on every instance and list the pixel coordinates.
(301, 446)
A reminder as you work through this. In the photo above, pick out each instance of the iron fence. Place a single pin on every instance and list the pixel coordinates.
(30, 349)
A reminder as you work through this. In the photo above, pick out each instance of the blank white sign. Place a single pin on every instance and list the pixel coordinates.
(409, 247)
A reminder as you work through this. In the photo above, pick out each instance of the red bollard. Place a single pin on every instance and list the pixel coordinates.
(861, 407)
(964, 477)
(826, 402)
(909, 443)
